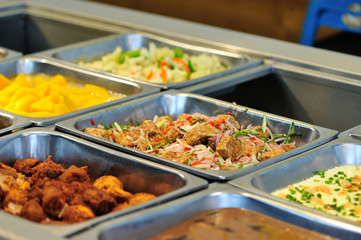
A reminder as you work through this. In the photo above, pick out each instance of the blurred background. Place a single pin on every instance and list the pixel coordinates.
(279, 19)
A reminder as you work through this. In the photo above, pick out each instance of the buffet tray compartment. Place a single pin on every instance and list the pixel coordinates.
(31, 64)
(34, 29)
(308, 94)
(174, 103)
(94, 49)
(136, 174)
(339, 152)
(149, 222)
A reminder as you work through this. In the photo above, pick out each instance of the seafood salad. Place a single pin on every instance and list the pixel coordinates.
(206, 142)
(157, 65)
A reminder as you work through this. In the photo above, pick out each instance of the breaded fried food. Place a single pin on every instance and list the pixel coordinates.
(33, 211)
(113, 186)
(75, 174)
(25, 166)
(77, 213)
(99, 201)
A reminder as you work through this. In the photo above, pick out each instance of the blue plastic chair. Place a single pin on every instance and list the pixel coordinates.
(340, 14)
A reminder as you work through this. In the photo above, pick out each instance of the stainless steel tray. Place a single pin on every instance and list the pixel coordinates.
(31, 64)
(136, 173)
(354, 132)
(31, 28)
(6, 53)
(174, 103)
(341, 151)
(10, 122)
(95, 49)
(314, 96)
(144, 224)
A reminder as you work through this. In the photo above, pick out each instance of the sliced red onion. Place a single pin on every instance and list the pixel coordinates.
(227, 132)
(280, 139)
(178, 130)
(217, 138)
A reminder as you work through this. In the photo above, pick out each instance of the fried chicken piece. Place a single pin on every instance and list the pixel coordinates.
(53, 201)
(140, 198)
(33, 211)
(121, 206)
(102, 133)
(8, 171)
(99, 201)
(25, 166)
(10, 178)
(121, 138)
(134, 200)
(113, 186)
(181, 157)
(198, 133)
(75, 174)
(47, 169)
(229, 147)
(14, 200)
(77, 213)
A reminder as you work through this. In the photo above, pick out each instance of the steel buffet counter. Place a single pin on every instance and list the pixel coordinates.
(314, 89)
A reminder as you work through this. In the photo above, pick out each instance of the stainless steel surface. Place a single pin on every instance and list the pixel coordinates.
(94, 49)
(315, 97)
(6, 53)
(30, 29)
(31, 64)
(354, 132)
(174, 103)
(136, 174)
(10, 122)
(341, 151)
(144, 224)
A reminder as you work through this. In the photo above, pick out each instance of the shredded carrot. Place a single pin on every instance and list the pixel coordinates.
(164, 63)
(135, 72)
(179, 60)
(163, 74)
(150, 75)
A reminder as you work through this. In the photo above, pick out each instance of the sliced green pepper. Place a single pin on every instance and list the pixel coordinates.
(178, 53)
(190, 66)
(130, 54)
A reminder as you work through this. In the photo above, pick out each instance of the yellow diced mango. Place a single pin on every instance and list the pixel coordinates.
(22, 79)
(38, 80)
(60, 109)
(43, 105)
(96, 91)
(4, 81)
(24, 103)
(9, 90)
(4, 100)
(20, 92)
(58, 80)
